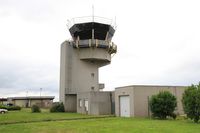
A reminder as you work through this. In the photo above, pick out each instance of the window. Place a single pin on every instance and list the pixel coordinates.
(86, 105)
(92, 74)
(80, 103)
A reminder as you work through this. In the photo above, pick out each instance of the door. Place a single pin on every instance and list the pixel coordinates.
(124, 102)
(86, 105)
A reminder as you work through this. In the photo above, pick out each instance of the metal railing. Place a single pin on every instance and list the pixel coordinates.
(110, 46)
(86, 19)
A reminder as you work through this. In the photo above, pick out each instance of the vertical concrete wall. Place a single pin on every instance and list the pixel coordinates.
(71, 101)
(99, 103)
(113, 102)
(102, 100)
(179, 92)
(35, 102)
(21, 103)
(139, 98)
(41, 103)
(63, 71)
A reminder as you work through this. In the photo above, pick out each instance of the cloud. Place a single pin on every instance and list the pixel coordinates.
(18, 77)
(36, 10)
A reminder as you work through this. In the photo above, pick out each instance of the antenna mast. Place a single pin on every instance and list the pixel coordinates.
(92, 13)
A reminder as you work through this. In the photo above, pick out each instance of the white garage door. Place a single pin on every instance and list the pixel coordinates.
(124, 106)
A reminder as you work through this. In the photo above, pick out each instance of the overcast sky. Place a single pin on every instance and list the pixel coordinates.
(158, 43)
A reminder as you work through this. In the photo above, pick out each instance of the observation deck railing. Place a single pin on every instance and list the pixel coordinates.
(87, 19)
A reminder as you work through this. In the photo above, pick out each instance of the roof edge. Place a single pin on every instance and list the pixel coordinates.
(151, 86)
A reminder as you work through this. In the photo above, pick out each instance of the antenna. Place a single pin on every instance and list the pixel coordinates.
(115, 23)
(92, 13)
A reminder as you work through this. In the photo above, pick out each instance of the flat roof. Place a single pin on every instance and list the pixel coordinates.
(32, 97)
(3, 99)
(150, 86)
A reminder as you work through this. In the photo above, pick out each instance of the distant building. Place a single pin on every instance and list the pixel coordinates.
(41, 101)
(3, 101)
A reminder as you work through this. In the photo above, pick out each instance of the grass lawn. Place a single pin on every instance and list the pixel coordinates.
(103, 125)
(25, 115)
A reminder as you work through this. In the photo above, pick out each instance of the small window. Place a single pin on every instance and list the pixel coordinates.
(92, 88)
(92, 74)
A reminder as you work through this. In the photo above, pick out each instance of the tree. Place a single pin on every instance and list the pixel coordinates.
(163, 104)
(191, 102)
(35, 109)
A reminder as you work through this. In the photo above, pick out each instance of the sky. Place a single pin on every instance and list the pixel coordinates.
(158, 43)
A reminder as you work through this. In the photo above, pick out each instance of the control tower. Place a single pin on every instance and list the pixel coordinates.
(91, 47)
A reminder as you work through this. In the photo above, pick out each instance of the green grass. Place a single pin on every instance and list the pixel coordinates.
(103, 125)
(25, 115)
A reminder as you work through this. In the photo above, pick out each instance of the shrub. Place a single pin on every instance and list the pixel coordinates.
(191, 102)
(163, 105)
(10, 108)
(57, 107)
(3, 107)
(35, 109)
(13, 108)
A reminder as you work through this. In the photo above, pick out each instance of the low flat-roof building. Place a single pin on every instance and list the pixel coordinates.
(41, 101)
(134, 100)
(3, 101)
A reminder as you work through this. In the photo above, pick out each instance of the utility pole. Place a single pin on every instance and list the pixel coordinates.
(40, 92)
(27, 93)
(27, 102)
(40, 97)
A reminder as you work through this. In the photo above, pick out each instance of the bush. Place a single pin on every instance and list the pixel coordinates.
(3, 107)
(191, 102)
(14, 108)
(10, 108)
(35, 109)
(163, 105)
(57, 107)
